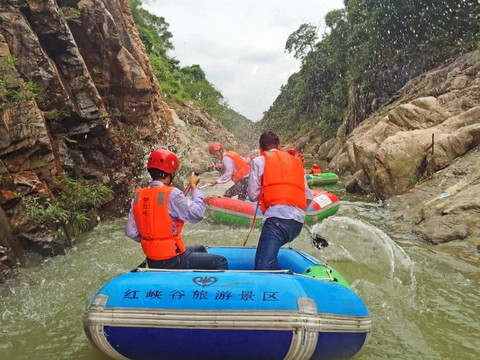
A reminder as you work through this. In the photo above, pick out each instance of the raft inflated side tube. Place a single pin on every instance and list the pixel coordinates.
(238, 212)
(326, 273)
(321, 179)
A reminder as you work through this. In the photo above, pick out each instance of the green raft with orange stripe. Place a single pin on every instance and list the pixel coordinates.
(321, 179)
(238, 212)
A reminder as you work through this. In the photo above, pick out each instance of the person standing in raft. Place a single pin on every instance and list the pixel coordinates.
(277, 181)
(158, 213)
(236, 168)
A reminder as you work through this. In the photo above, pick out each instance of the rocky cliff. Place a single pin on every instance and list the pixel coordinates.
(77, 94)
(421, 144)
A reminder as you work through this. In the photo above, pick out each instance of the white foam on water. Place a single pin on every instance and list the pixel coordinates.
(367, 246)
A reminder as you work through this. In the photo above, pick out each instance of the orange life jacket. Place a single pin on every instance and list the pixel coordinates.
(315, 171)
(150, 210)
(241, 167)
(283, 181)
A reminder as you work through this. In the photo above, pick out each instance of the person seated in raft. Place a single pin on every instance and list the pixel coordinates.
(292, 152)
(158, 213)
(296, 154)
(315, 169)
(277, 181)
(236, 169)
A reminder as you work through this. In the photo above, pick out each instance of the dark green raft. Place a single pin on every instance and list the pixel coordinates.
(321, 179)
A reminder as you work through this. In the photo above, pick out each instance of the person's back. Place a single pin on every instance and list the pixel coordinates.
(283, 181)
(157, 216)
(277, 180)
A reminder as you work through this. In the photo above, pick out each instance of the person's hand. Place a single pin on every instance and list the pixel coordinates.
(194, 180)
(213, 183)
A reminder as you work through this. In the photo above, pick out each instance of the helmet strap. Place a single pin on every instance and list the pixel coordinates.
(172, 176)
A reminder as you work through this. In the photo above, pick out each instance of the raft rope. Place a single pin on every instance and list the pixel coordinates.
(253, 223)
(328, 271)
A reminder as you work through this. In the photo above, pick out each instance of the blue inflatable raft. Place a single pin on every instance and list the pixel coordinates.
(305, 311)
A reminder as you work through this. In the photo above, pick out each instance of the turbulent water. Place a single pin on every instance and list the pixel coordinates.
(423, 299)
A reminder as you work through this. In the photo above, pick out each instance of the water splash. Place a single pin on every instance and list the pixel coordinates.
(367, 246)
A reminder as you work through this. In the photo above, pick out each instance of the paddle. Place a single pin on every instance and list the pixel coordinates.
(318, 241)
(187, 189)
(204, 186)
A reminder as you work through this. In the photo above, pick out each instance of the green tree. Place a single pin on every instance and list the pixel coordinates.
(301, 41)
(372, 47)
(153, 29)
(181, 84)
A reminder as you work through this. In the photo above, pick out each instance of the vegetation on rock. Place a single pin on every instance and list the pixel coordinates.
(70, 211)
(180, 84)
(14, 90)
(371, 49)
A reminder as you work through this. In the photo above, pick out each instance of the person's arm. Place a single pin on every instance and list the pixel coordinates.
(228, 164)
(255, 179)
(131, 229)
(308, 194)
(180, 207)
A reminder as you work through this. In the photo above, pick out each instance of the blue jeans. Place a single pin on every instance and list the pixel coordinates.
(276, 232)
(194, 257)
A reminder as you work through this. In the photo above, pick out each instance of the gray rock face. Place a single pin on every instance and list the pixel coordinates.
(97, 114)
(393, 147)
(446, 207)
(421, 144)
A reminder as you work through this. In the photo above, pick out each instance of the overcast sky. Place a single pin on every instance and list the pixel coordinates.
(240, 44)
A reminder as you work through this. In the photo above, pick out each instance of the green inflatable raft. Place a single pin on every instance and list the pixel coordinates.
(321, 179)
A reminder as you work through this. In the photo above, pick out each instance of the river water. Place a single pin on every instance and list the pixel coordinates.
(423, 299)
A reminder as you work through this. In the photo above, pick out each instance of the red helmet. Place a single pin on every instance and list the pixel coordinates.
(163, 160)
(292, 151)
(215, 147)
(315, 166)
